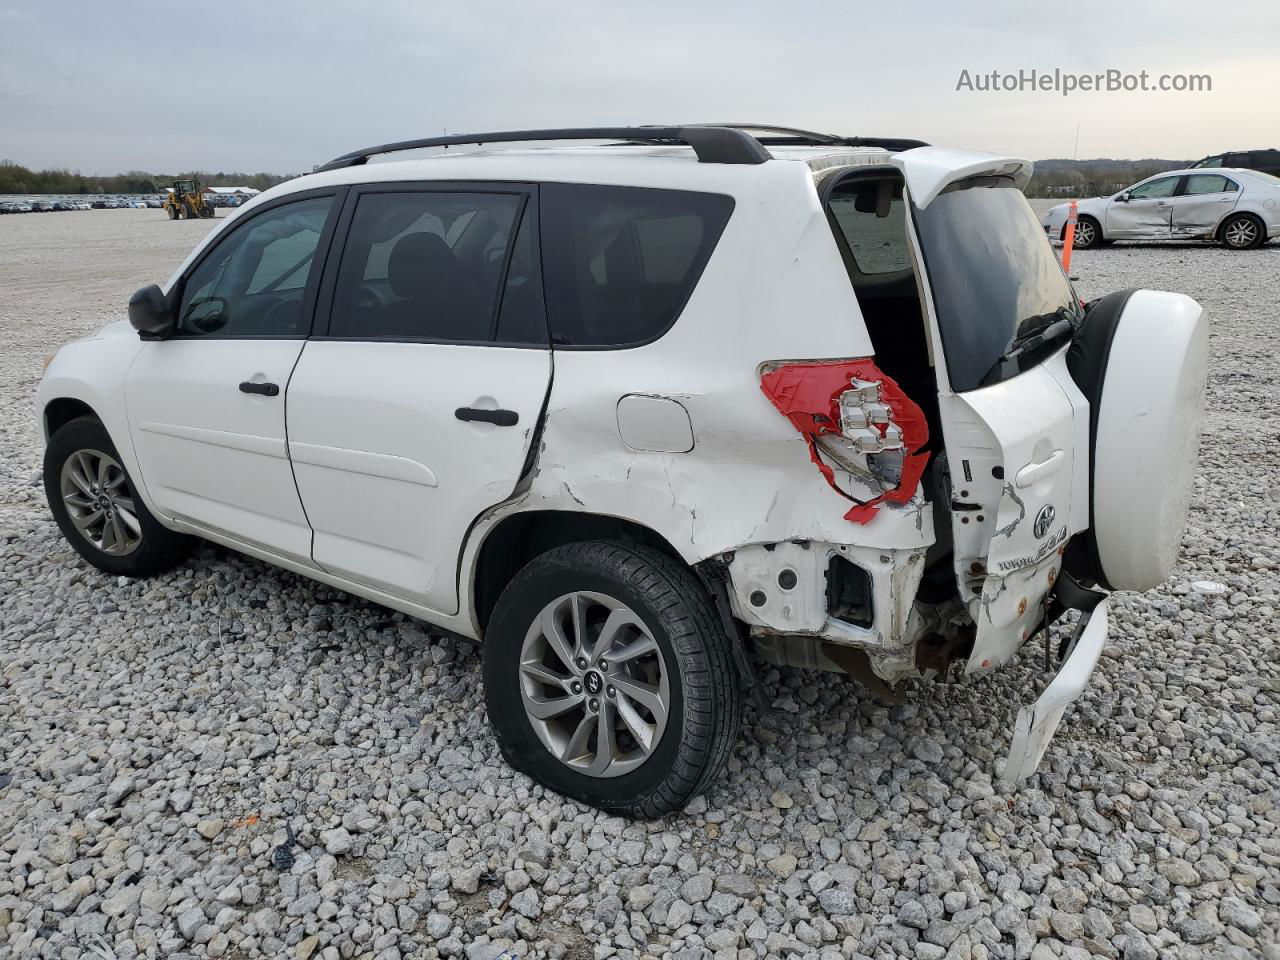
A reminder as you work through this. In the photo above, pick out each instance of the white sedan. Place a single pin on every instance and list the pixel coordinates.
(1238, 208)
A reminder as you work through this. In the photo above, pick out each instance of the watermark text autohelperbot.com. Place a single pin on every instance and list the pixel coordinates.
(1066, 83)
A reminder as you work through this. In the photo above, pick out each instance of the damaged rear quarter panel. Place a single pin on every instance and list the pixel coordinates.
(774, 289)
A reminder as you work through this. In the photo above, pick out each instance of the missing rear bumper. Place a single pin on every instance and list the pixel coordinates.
(1038, 722)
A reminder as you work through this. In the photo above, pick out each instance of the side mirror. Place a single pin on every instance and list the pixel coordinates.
(150, 314)
(1123, 198)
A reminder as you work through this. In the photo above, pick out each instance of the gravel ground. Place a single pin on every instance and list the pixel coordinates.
(161, 738)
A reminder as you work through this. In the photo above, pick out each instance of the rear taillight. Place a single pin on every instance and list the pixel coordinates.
(857, 419)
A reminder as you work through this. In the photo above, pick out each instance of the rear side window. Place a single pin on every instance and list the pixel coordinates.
(873, 220)
(1208, 183)
(619, 263)
(423, 266)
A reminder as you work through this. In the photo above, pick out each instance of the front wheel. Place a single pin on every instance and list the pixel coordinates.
(1243, 232)
(98, 509)
(610, 679)
(1088, 233)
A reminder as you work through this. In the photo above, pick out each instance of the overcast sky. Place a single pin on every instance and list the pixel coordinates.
(280, 85)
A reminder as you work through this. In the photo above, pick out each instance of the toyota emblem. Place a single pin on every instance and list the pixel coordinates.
(1044, 520)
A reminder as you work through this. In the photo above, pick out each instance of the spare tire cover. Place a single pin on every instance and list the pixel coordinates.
(1141, 360)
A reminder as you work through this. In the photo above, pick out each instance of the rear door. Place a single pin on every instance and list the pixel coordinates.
(1146, 214)
(1015, 430)
(1203, 200)
(412, 410)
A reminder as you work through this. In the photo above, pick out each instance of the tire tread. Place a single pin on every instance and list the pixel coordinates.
(712, 705)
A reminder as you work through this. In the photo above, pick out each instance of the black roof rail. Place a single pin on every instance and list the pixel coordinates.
(892, 144)
(792, 136)
(710, 144)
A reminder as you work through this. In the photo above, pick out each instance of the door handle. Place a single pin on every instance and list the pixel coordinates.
(1037, 471)
(499, 418)
(265, 389)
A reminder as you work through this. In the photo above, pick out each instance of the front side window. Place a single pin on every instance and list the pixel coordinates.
(1208, 183)
(253, 282)
(1153, 189)
(424, 265)
(620, 262)
(1211, 162)
(995, 278)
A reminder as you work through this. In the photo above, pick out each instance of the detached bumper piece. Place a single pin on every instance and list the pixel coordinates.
(1038, 722)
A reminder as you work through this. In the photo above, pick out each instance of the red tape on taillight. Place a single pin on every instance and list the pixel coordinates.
(808, 394)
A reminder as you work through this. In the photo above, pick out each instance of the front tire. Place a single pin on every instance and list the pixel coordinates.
(1243, 232)
(97, 507)
(610, 679)
(1088, 233)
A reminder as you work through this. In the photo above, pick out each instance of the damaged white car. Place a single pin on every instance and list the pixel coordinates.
(1238, 208)
(640, 405)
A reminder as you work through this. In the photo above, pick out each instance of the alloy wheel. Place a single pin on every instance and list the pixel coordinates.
(98, 499)
(1085, 234)
(1241, 233)
(594, 684)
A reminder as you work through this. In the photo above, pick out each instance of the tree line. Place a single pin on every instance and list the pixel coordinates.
(1093, 178)
(15, 178)
(1053, 178)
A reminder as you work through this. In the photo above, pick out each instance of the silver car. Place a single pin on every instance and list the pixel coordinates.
(1238, 208)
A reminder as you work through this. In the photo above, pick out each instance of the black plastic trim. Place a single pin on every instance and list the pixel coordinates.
(263, 389)
(499, 418)
(1087, 359)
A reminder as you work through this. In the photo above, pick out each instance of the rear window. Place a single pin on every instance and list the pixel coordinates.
(619, 263)
(994, 276)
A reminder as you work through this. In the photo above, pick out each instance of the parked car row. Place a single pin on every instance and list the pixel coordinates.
(41, 206)
(48, 206)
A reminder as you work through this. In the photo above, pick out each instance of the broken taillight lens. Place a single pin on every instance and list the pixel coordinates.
(855, 416)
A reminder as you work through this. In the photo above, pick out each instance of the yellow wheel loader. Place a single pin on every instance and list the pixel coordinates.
(186, 202)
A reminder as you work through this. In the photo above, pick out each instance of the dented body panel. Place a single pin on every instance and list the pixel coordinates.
(1013, 449)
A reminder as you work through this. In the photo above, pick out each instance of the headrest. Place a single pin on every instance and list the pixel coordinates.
(419, 262)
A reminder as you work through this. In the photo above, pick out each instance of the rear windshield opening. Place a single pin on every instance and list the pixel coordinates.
(869, 220)
(868, 216)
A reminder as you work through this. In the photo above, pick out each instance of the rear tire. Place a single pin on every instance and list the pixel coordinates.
(98, 509)
(657, 758)
(1243, 231)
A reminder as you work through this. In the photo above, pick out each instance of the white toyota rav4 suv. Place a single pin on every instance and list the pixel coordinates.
(636, 412)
